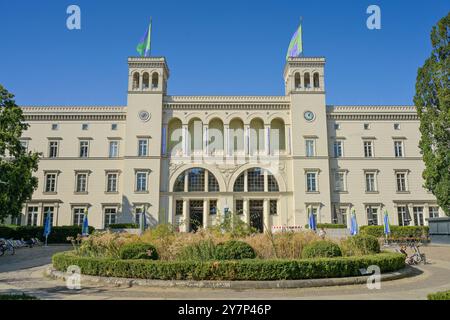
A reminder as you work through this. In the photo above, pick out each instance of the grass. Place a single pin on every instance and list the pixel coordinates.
(443, 295)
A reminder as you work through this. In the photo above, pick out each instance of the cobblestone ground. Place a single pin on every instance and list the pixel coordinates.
(24, 273)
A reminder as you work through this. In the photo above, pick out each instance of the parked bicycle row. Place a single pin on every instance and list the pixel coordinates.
(10, 245)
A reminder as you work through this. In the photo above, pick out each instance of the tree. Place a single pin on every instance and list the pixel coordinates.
(432, 100)
(16, 164)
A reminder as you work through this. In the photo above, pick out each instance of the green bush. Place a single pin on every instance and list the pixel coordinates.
(200, 251)
(57, 235)
(124, 226)
(397, 232)
(248, 269)
(444, 295)
(321, 249)
(138, 251)
(234, 250)
(329, 226)
(360, 244)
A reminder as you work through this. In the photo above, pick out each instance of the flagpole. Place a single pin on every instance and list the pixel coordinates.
(301, 35)
(150, 35)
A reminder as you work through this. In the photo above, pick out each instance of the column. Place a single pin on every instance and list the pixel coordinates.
(426, 213)
(245, 181)
(164, 139)
(186, 221)
(266, 139)
(411, 214)
(186, 186)
(206, 180)
(226, 129)
(246, 139)
(171, 211)
(267, 226)
(205, 139)
(205, 213)
(246, 211)
(184, 132)
(266, 181)
(287, 138)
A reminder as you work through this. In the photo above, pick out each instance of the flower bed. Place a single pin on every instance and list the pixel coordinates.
(248, 269)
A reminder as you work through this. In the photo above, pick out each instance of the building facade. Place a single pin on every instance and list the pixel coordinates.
(187, 160)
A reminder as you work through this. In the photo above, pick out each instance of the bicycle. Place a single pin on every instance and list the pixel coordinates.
(6, 247)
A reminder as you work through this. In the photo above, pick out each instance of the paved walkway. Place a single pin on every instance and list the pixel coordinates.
(24, 273)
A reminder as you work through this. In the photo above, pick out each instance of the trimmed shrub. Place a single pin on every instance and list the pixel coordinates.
(199, 251)
(397, 232)
(124, 226)
(234, 250)
(360, 244)
(321, 249)
(444, 295)
(138, 251)
(248, 269)
(329, 226)
(57, 235)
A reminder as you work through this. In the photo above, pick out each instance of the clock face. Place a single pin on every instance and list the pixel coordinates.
(144, 115)
(309, 115)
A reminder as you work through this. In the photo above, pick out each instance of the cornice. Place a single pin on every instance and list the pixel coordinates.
(227, 106)
(374, 112)
(74, 113)
(217, 99)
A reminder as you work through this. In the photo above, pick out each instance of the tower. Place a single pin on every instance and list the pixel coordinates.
(305, 86)
(147, 85)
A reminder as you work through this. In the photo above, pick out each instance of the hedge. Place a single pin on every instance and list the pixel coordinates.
(444, 295)
(234, 250)
(138, 251)
(57, 234)
(124, 226)
(397, 232)
(329, 226)
(249, 269)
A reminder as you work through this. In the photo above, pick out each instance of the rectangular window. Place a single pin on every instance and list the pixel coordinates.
(368, 149)
(338, 149)
(337, 126)
(114, 126)
(113, 149)
(110, 216)
(50, 182)
(84, 149)
(32, 216)
(366, 126)
(212, 207)
(141, 181)
(78, 216)
(137, 215)
(339, 180)
(396, 126)
(84, 126)
(179, 207)
(311, 182)
(309, 148)
(433, 212)
(403, 216)
(418, 216)
(81, 185)
(49, 210)
(273, 207)
(111, 182)
(55, 126)
(401, 182)
(24, 145)
(398, 149)
(142, 147)
(372, 216)
(370, 182)
(239, 206)
(53, 149)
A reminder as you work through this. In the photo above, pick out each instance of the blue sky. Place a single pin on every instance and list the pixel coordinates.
(233, 47)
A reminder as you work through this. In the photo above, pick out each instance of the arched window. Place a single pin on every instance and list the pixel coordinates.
(136, 80)
(307, 80)
(196, 181)
(316, 80)
(256, 181)
(155, 80)
(145, 80)
(297, 80)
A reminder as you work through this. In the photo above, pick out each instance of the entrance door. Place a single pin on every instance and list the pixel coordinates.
(256, 214)
(195, 215)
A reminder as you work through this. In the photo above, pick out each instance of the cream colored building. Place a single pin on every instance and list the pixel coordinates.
(187, 160)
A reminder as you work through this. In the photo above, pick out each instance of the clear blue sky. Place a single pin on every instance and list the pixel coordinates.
(232, 47)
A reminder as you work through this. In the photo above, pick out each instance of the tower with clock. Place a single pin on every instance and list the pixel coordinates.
(305, 87)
